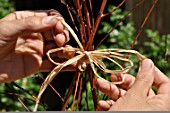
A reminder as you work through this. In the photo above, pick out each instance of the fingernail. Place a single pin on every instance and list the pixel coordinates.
(50, 20)
(146, 65)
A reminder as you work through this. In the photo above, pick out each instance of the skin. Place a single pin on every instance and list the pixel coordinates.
(23, 37)
(136, 94)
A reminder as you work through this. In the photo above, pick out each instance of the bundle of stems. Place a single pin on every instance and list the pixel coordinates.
(87, 57)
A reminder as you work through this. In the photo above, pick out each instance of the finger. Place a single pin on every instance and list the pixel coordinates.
(41, 13)
(60, 30)
(27, 25)
(71, 67)
(109, 89)
(60, 39)
(159, 77)
(57, 34)
(161, 81)
(105, 105)
(144, 79)
(49, 45)
(47, 66)
(48, 35)
(64, 54)
(59, 27)
(128, 81)
(22, 14)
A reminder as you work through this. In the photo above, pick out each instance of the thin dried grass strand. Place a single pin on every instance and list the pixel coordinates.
(90, 57)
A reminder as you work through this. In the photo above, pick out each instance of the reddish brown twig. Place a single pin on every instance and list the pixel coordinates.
(75, 92)
(95, 27)
(143, 24)
(79, 93)
(70, 91)
(87, 29)
(107, 14)
(129, 12)
(58, 94)
(23, 104)
(93, 89)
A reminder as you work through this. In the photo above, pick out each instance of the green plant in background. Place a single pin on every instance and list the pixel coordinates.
(9, 93)
(6, 7)
(121, 37)
(156, 47)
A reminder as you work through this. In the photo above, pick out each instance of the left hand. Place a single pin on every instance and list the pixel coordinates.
(23, 37)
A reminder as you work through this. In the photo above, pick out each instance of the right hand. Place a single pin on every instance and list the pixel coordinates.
(138, 95)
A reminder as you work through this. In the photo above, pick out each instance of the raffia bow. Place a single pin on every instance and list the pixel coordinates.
(91, 58)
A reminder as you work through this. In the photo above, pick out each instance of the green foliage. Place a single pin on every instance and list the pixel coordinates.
(121, 37)
(156, 47)
(8, 92)
(6, 7)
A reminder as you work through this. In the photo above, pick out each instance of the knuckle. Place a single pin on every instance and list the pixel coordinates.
(146, 77)
(53, 12)
(31, 22)
(4, 29)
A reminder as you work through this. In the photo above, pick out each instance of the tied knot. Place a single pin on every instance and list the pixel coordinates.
(92, 58)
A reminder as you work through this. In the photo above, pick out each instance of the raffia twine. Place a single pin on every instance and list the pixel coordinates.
(92, 58)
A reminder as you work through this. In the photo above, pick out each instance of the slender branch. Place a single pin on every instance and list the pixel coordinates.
(130, 11)
(23, 104)
(75, 92)
(87, 16)
(54, 90)
(143, 24)
(94, 95)
(16, 85)
(107, 14)
(91, 10)
(79, 93)
(81, 22)
(18, 95)
(15, 96)
(95, 27)
(70, 91)
(99, 16)
(141, 29)
(86, 99)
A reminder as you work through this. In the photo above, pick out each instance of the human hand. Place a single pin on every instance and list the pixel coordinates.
(22, 43)
(139, 95)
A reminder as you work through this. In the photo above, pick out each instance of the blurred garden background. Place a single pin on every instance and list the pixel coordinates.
(154, 43)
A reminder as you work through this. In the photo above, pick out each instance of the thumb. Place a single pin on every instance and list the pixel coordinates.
(27, 25)
(144, 79)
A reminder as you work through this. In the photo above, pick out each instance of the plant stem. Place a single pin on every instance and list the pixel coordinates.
(94, 95)
(130, 11)
(96, 25)
(143, 24)
(70, 90)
